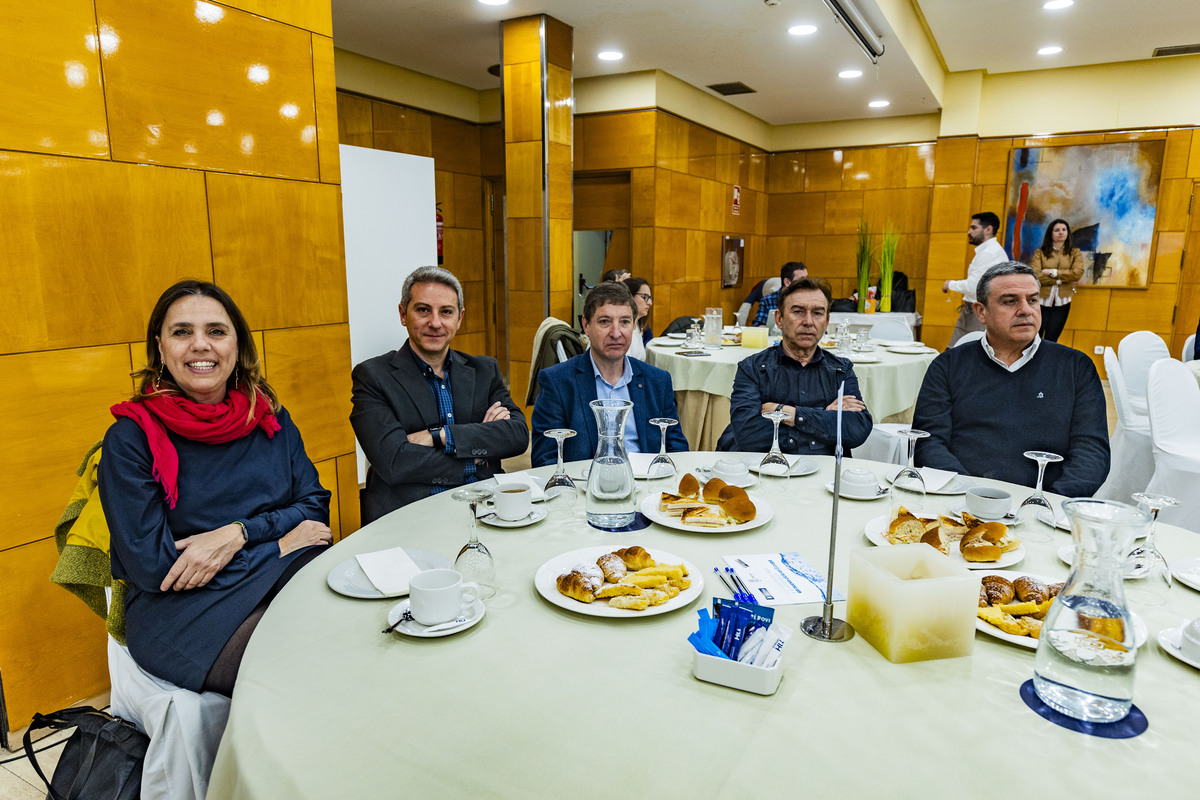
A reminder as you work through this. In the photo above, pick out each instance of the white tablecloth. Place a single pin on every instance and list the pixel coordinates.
(857, 320)
(536, 701)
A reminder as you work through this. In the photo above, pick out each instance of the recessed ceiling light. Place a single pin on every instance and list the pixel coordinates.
(1054, 5)
(1050, 51)
(879, 104)
(850, 73)
(610, 55)
(494, 2)
(802, 30)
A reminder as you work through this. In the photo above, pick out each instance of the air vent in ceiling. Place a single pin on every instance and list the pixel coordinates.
(737, 87)
(1177, 50)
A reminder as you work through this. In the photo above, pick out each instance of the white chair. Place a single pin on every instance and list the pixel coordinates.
(742, 314)
(184, 727)
(894, 329)
(1137, 352)
(973, 336)
(885, 444)
(1189, 349)
(1131, 463)
(1174, 399)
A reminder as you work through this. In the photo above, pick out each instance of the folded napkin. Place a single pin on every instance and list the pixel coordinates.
(641, 463)
(935, 479)
(538, 485)
(389, 571)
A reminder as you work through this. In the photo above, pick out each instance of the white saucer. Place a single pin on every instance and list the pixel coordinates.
(845, 496)
(348, 579)
(411, 627)
(865, 358)
(910, 350)
(800, 467)
(1168, 640)
(491, 518)
(676, 335)
(659, 342)
(705, 473)
(1187, 572)
(898, 342)
(1010, 519)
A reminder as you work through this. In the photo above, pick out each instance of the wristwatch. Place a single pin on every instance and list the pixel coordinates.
(779, 407)
(436, 433)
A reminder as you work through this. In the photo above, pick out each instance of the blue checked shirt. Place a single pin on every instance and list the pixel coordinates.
(445, 402)
(769, 303)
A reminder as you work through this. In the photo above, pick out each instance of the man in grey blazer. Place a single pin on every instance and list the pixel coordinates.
(430, 418)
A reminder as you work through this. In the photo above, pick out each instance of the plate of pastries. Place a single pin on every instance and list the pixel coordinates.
(1013, 606)
(973, 542)
(607, 581)
(715, 507)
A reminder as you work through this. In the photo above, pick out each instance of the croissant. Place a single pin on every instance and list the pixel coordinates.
(576, 586)
(1031, 589)
(636, 557)
(613, 567)
(997, 589)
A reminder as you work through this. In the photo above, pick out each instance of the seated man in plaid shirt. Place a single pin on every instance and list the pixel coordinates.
(791, 271)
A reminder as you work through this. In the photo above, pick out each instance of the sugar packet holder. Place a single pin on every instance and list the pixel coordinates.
(754, 641)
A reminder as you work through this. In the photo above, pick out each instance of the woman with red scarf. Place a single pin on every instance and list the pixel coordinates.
(210, 499)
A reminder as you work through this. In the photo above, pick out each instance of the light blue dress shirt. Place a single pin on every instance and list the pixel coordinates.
(620, 391)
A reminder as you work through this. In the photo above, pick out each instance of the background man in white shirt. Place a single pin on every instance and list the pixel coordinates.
(988, 252)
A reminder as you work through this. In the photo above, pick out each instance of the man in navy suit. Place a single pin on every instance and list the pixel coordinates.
(604, 372)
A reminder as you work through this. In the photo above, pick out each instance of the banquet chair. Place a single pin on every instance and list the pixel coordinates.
(895, 329)
(1137, 352)
(1189, 349)
(1131, 463)
(973, 336)
(680, 325)
(553, 343)
(742, 314)
(1174, 397)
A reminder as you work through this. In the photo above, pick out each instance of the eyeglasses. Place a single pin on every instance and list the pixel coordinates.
(646, 297)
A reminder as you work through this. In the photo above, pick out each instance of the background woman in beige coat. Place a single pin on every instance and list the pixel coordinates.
(1058, 266)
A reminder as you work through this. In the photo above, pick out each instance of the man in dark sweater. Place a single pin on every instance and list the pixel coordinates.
(987, 402)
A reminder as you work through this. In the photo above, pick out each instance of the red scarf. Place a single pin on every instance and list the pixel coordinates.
(211, 423)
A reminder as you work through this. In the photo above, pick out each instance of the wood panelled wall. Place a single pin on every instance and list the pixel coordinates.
(127, 162)
(463, 154)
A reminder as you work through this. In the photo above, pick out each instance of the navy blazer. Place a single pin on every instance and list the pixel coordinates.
(568, 388)
(392, 398)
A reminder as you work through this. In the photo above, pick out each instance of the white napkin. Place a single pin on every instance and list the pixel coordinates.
(935, 479)
(641, 463)
(389, 571)
(538, 485)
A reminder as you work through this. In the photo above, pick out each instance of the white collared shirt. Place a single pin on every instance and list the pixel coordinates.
(1025, 358)
(618, 391)
(988, 254)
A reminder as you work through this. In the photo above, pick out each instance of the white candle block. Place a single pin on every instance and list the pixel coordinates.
(912, 603)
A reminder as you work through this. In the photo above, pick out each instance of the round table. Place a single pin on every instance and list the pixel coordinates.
(703, 385)
(537, 701)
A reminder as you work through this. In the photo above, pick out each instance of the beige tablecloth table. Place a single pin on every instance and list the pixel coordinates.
(704, 384)
(536, 701)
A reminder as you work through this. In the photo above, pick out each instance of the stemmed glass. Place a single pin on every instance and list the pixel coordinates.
(908, 487)
(1038, 498)
(1146, 562)
(474, 561)
(775, 466)
(662, 466)
(561, 492)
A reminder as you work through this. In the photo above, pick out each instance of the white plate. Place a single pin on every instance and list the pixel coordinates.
(800, 466)
(1187, 571)
(676, 335)
(491, 518)
(958, 485)
(545, 581)
(876, 532)
(1010, 519)
(1140, 634)
(864, 358)
(413, 628)
(910, 350)
(898, 342)
(348, 579)
(660, 342)
(1167, 640)
(650, 511)
(705, 473)
(845, 496)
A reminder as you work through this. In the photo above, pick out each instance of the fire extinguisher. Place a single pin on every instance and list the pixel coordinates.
(439, 232)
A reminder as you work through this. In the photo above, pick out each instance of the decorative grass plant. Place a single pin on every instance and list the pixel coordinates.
(887, 265)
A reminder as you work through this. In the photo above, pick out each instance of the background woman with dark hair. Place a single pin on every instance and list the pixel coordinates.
(1057, 265)
(211, 502)
(640, 289)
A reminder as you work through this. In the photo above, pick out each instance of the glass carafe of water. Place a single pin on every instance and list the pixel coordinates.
(1086, 653)
(611, 496)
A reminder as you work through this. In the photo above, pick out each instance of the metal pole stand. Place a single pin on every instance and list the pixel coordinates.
(827, 628)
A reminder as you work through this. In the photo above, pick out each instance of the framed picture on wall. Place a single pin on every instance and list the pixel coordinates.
(1107, 193)
(733, 251)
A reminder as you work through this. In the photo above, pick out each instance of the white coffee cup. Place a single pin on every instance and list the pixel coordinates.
(513, 501)
(731, 471)
(856, 480)
(1189, 640)
(439, 595)
(987, 502)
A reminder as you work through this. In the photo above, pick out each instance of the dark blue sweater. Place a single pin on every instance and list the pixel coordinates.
(982, 418)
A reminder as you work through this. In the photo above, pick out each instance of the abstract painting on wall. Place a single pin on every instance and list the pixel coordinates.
(1107, 193)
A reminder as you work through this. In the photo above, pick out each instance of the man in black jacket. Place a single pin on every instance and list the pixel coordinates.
(799, 378)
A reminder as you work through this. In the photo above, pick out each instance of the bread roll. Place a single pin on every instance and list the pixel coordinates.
(905, 528)
(737, 505)
(936, 540)
(712, 490)
(689, 486)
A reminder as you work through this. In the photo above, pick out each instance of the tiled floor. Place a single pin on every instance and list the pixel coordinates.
(19, 782)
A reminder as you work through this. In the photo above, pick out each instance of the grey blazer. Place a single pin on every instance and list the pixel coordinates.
(392, 398)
